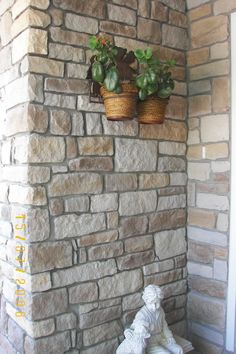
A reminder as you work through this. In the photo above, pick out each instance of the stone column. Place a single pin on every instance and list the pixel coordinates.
(104, 203)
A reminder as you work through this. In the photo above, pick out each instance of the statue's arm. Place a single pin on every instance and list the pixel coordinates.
(166, 332)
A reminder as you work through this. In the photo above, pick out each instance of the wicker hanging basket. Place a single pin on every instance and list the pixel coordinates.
(152, 110)
(120, 106)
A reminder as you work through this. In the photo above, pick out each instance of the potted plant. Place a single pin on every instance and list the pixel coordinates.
(111, 73)
(155, 85)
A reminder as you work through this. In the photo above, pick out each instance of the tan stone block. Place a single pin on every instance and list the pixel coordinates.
(163, 278)
(32, 18)
(219, 68)
(71, 147)
(57, 16)
(91, 164)
(138, 244)
(209, 287)
(197, 87)
(198, 56)
(180, 89)
(63, 101)
(83, 293)
(60, 123)
(102, 333)
(199, 105)
(178, 19)
(135, 225)
(120, 182)
(217, 151)
(5, 28)
(102, 237)
(221, 6)
(176, 108)
(219, 188)
(199, 12)
(144, 8)
(169, 130)
(95, 8)
(68, 37)
(174, 37)
(221, 252)
(219, 50)
(172, 148)
(27, 195)
(221, 95)
(95, 146)
(153, 180)
(149, 30)
(208, 31)
(111, 250)
(135, 260)
(61, 342)
(202, 218)
(117, 28)
(81, 23)
(67, 85)
(32, 40)
(66, 52)
(121, 14)
(165, 220)
(129, 3)
(215, 128)
(194, 152)
(45, 149)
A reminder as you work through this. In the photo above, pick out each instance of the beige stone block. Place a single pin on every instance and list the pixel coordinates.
(220, 166)
(199, 105)
(209, 287)
(201, 218)
(221, 95)
(81, 23)
(32, 41)
(178, 179)
(30, 17)
(104, 202)
(197, 87)
(83, 104)
(61, 342)
(84, 272)
(27, 195)
(57, 16)
(170, 243)
(66, 321)
(171, 164)
(102, 333)
(221, 7)
(220, 270)
(163, 278)
(194, 152)
(153, 180)
(60, 123)
(178, 19)
(129, 3)
(208, 311)
(215, 128)
(169, 130)
(76, 183)
(5, 28)
(159, 11)
(66, 52)
(102, 237)
(180, 88)
(212, 201)
(217, 151)
(77, 204)
(17, 92)
(128, 128)
(172, 148)
(67, 85)
(193, 123)
(158, 267)
(219, 50)
(37, 282)
(222, 222)
(199, 171)
(208, 31)
(63, 101)
(171, 202)
(199, 12)
(121, 14)
(201, 270)
(198, 56)
(135, 225)
(193, 137)
(135, 260)
(149, 30)
(78, 71)
(68, 37)
(95, 146)
(5, 5)
(46, 66)
(218, 68)
(21, 5)
(72, 225)
(174, 37)
(132, 203)
(120, 284)
(165, 220)
(120, 182)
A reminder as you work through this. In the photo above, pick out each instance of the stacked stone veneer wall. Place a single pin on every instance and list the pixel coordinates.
(105, 203)
(208, 170)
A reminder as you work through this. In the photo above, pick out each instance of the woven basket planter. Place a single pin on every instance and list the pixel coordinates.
(120, 106)
(152, 110)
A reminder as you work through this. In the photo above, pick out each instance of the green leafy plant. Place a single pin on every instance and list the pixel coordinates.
(104, 65)
(155, 76)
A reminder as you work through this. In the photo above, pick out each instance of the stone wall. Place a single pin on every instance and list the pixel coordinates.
(105, 202)
(208, 171)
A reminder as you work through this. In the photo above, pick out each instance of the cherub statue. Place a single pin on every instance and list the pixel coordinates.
(149, 332)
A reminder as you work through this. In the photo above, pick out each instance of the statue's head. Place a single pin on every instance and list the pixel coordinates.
(152, 294)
